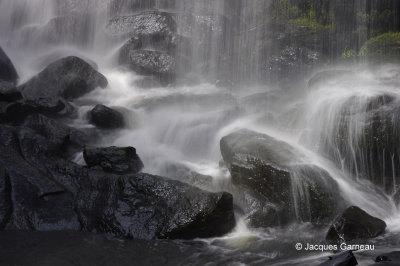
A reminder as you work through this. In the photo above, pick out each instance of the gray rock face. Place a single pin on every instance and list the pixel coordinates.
(70, 77)
(148, 24)
(105, 117)
(7, 70)
(274, 175)
(156, 63)
(117, 160)
(355, 223)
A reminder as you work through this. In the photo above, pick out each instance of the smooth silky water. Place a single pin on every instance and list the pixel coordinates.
(177, 128)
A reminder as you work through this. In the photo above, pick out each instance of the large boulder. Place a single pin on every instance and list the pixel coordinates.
(105, 117)
(114, 159)
(362, 137)
(70, 77)
(277, 176)
(149, 62)
(152, 25)
(7, 70)
(145, 206)
(355, 223)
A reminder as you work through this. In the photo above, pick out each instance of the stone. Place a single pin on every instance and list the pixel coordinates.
(353, 224)
(118, 160)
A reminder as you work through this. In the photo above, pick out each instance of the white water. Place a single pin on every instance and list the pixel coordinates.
(179, 127)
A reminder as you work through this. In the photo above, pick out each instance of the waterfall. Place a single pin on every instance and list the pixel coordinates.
(264, 66)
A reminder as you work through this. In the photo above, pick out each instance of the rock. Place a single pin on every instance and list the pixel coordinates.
(132, 44)
(17, 111)
(383, 48)
(18, 168)
(144, 206)
(365, 139)
(8, 92)
(7, 70)
(114, 159)
(64, 140)
(292, 60)
(105, 117)
(5, 198)
(148, 25)
(47, 213)
(274, 174)
(389, 259)
(355, 223)
(147, 62)
(344, 259)
(70, 77)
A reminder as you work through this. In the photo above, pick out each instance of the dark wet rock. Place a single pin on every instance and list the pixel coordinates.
(7, 69)
(370, 153)
(120, 160)
(389, 259)
(16, 112)
(8, 92)
(273, 174)
(18, 168)
(292, 60)
(145, 206)
(5, 198)
(344, 259)
(61, 139)
(47, 213)
(153, 25)
(355, 223)
(105, 117)
(70, 77)
(148, 62)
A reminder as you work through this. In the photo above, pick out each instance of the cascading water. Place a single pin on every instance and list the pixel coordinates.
(343, 122)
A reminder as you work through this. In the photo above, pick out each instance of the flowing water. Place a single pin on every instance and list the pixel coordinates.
(176, 129)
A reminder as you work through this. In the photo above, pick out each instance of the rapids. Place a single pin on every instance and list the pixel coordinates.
(177, 128)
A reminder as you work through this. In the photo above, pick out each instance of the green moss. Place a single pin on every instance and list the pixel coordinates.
(348, 53)
(387, 44)
(310, 23)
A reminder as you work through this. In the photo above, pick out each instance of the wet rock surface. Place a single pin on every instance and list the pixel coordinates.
(70, 77)
(147, 62)
(146, 25)
(114, 159)
(7, 69)
(355, 223)
(271, 170)
(105, 117)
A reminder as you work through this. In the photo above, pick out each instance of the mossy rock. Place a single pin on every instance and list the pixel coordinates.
(385, 46)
